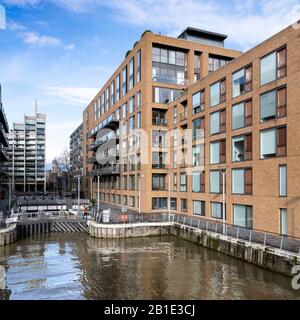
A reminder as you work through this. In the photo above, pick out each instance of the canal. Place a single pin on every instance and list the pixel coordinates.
(75, 266)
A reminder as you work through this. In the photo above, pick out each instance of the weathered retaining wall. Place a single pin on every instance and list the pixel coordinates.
(8, 235)
(268, 258)
(128, 231)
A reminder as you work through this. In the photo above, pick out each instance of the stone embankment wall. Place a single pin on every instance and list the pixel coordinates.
(8, 235)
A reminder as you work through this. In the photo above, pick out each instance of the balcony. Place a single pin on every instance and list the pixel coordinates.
(3, 119)
(3, 138)
(159, 121)
(172, 80)
(183, 116)
(113, 169)
(158, 166)
(3, 154)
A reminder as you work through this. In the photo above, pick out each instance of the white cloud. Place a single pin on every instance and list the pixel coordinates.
(73, 96)
(36, 40)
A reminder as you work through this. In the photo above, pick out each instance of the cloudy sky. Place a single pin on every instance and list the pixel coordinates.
(62, 51)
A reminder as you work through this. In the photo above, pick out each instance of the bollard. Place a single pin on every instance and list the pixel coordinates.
(299, 251)
(206, 226)
(177, 218)
(216, 228)
(198, 223)
(226, 230)
(250, 236)
(238, 232)
(265, 239)
(191, 222)
(184, 220)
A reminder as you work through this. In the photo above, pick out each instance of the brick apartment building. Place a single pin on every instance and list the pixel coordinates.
(180, 114)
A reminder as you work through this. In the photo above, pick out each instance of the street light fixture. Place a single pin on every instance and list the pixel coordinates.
(223, 171)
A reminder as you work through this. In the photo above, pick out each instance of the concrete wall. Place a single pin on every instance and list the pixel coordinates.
(128, 231)
(9, 235)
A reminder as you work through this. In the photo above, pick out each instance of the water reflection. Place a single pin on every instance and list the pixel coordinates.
(69, 266)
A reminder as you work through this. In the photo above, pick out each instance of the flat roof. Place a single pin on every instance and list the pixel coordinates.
(203, 33)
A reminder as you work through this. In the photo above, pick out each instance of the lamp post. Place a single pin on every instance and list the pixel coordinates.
(223, 171)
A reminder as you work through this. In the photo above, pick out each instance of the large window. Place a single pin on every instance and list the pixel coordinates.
(107, 98)
(273, 104)
(242, 148)
(273, 66)
(103, 103)
(165, 95)
(131, 105)
(118, 84)
(131, 124)
(199, 208)
(242, 216)
(158, 182)
(198, 128)
(138, 100)
(132, 182)
(216, 182)
(159, 203)
(242, 115)
(124, 81)
(217, 152)
(283, 181)
(198, 155)
(198, 182)
(242, 181)
(184, 206)
(218, 93)
(131, 74)
(139, 66)
(169, 66)
(124, 182)
(112, 93)
(174, 181)
(183, 182)
(284, 222)
(216, 62)
(124, 110)
(218, 122)
(196, 66)
(216, 210)
(198, 100)
(241, 82)
(273, 142)
(158, 160)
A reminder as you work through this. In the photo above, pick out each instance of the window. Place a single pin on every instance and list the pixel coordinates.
(198, 181)
(159, 139)
(173, 204)
(273, 66)
(131, 182)
(131, 124)
(218, 152)
(242, 181)
(183, 182)
(107, 100)
(242, 216)
(242, 148)
(138, 100)
(158, 182)
(273, 104)
(131, 163)
(196, 66)
(118, 199)
(215, 182)
(273, 142)
(118, 83)
(131, 74)
(216, 210)
(103, 103)
(175, 114)
(198, 155)
(283, 222)
(218, 122)
(165, 95)
(159, 203)
(199, 208)
(158, 160)
(283, 181)
(198, 128)
(125, 200)
(131, 105)
(242, 82)
(175, 181)
(112, 93)
(138, 66)
(124, 81)
(132, 201)
(198, 100)
(138, 120)
(95, 111)
(242, 115)
(218, 93)
(124, 182)
(184, 205)
(124, 110)
(216, 62)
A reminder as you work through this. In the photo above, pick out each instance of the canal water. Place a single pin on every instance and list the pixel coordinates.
(75, 266)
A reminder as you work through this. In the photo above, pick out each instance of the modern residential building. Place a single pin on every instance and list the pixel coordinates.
(4, 129)
(201, 130)
(76, 155)
(26, 152)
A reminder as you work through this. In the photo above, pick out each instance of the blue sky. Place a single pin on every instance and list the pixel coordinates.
(62, 51)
